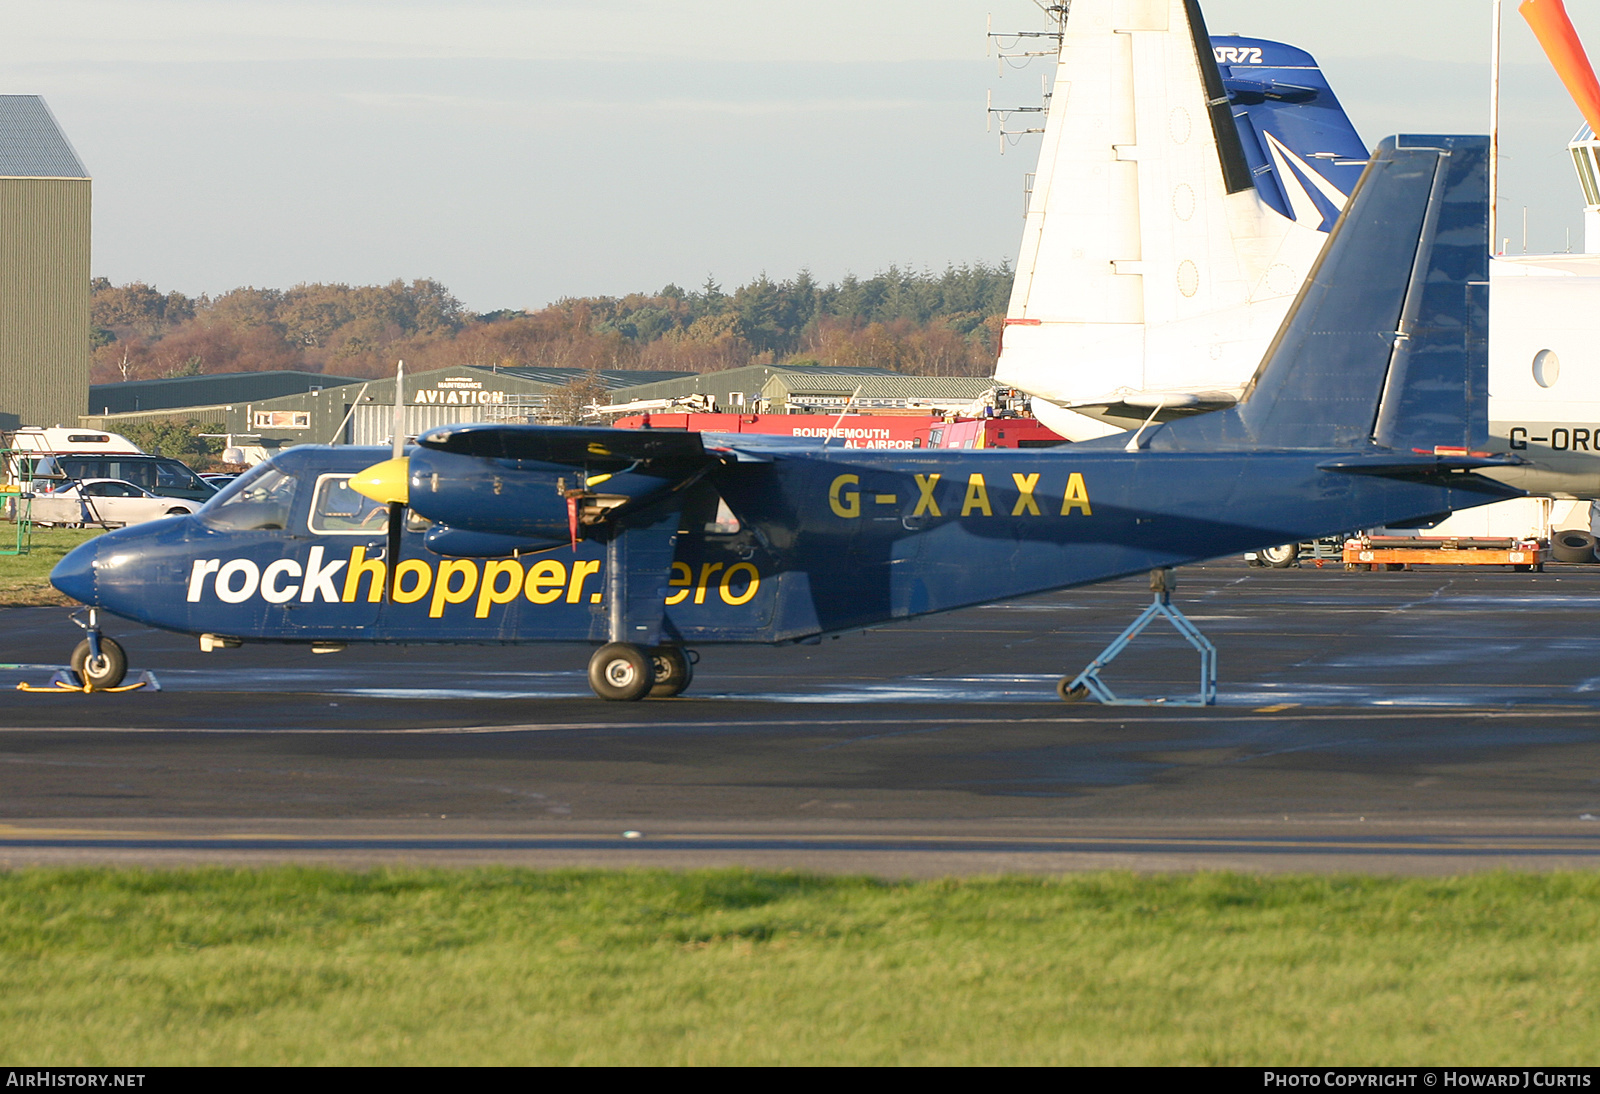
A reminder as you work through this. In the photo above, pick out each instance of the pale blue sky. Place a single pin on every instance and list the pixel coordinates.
(522, 151)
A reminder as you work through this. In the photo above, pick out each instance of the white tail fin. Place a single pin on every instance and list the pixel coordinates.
(1153, 272)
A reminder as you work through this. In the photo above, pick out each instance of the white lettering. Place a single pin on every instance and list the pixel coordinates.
(319, 578)
(197, 576)
(252, 577)
(284, 567)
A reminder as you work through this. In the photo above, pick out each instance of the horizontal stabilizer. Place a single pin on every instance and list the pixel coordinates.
(1134, 408)
(1401, 466)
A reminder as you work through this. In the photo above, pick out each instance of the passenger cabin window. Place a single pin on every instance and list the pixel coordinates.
(724, 523)
(705, 513)
(338, 510)
(260, 503)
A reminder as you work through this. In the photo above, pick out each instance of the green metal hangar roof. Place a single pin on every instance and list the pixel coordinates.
(135, 396)
(829, 392)
(44, 269)
(738, 389)
(362, 412)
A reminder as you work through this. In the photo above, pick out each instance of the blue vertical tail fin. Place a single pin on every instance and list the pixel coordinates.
(1387, 344)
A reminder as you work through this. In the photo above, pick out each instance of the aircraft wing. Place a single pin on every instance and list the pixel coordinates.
(576, 445)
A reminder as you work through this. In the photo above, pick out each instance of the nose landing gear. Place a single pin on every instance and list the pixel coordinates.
(100, 662)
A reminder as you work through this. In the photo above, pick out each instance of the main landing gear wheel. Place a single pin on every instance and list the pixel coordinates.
(105, 671)
(674, 670)
(1280, 557)
(621, 672)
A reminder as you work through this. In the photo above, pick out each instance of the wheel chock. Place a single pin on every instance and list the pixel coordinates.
(67, 682)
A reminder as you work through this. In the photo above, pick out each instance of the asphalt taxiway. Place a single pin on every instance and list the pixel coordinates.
(1426, 722)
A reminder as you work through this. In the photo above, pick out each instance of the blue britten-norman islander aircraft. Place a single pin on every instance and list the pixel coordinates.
(1367, 410)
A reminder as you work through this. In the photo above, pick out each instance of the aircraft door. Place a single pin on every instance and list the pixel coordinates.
(723, 573)
(344, 569)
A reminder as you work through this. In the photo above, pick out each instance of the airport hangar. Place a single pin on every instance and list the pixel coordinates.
(44, 269)
(275, 410)
(323, 409)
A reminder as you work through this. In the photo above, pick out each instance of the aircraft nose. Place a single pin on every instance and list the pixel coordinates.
(74, 575)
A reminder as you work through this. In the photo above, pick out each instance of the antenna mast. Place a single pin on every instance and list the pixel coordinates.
(1009, 50)
(1494, 131)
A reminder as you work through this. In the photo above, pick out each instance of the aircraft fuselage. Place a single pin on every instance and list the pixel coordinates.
(822, 540)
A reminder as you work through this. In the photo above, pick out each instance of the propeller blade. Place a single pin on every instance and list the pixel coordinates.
(397, 527)
(399, 410)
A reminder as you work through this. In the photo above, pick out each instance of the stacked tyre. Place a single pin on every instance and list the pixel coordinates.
(1572, 546)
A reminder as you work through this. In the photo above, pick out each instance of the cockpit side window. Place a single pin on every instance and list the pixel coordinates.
(259, 501)
(339, 511)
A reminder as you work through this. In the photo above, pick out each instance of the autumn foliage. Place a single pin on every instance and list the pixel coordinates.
(925, 324)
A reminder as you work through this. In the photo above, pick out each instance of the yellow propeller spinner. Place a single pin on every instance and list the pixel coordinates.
(387, 482)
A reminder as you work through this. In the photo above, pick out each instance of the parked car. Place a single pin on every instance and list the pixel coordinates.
(159, 474)
(104, 501)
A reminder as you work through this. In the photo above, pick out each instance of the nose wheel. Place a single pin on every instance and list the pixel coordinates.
(99, 661)
(100, 670)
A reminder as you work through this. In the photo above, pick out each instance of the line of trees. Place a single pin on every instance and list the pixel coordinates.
(931, 324)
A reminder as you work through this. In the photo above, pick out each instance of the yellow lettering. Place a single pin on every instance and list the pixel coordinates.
(442, 592)
(546, 581)
(845, 503)
(373, 568)
(580, 571)
(706, 570)
(926, 504)
(977, 496)
(424, 573)
(682, 583)
(1025, 502)
(489, 593)
(1077, 496)
(725, 588)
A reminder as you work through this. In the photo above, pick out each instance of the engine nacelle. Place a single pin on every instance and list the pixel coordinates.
(462, 543)
(518, 498)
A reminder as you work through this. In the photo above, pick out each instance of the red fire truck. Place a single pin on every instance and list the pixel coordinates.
(863, 430)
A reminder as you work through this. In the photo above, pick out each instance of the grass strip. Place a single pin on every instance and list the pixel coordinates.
(503, 966)
(25, 579)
